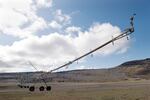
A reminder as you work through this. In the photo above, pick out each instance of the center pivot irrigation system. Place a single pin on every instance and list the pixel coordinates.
(124, 33)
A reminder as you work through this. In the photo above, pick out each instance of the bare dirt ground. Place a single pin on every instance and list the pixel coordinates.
(127, 90)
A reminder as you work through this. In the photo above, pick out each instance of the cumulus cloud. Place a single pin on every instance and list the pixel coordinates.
(57, 49)
(60, 20)
(55, 25)
(83, 67)
(44, 3)
(72, 29)
(19, 18)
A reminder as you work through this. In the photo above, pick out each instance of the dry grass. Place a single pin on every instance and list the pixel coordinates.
(89, 91)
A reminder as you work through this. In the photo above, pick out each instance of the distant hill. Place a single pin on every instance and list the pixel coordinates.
(137, 69)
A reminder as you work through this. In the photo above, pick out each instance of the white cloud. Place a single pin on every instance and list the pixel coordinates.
(44, 3)
(57, 49)
(55, 25)
(19, 17)
(38, 24)
(99, 34)
(60, 17)
(60, 20)
(72, 29)
(82, 67)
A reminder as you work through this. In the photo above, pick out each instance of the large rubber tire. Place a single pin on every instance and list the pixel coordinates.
(25, 86)
(48, 88)
(41, 88)
(20, 86)
(31, 88)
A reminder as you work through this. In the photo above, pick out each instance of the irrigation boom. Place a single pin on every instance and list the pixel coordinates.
(125, 33)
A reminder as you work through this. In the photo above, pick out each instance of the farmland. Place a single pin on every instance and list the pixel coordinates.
(127, 90)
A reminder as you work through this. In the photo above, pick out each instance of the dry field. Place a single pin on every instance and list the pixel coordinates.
(128, 90)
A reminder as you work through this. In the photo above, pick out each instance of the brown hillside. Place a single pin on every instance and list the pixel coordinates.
(136, 68)
(132, 69)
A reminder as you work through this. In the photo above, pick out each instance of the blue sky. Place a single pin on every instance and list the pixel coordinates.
(117, 12)
(48, 32)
